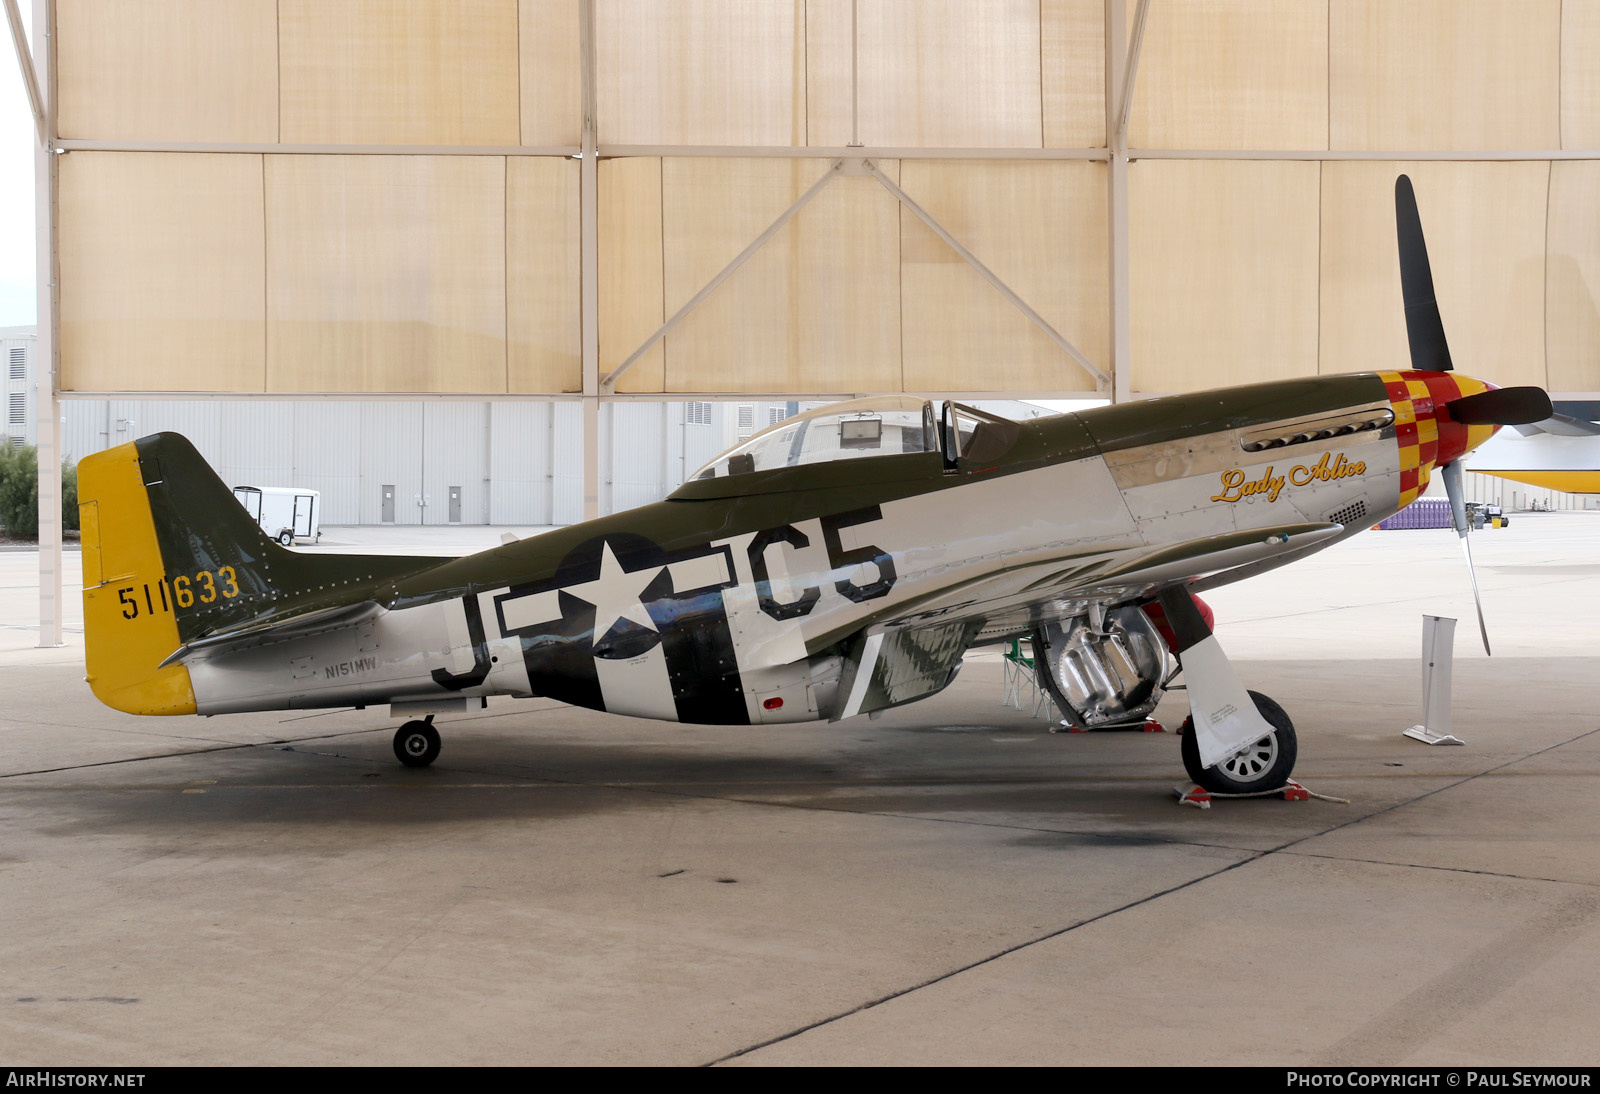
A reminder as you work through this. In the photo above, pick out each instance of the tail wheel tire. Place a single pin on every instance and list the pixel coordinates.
(1264, 765)
(416, 744)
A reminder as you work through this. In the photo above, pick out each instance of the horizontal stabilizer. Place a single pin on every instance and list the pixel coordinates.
(261, 632)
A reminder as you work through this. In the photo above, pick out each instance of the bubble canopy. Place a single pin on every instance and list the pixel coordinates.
(859, 429)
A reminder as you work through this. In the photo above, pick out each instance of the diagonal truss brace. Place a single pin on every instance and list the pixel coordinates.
(853, 166)
(609, 382)
(25, 62)
(988, 275)
(1130, 70)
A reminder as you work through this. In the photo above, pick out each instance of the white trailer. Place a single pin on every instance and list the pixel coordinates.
(286, 513)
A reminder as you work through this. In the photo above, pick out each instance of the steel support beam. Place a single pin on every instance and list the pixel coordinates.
(1122, 66)
(1457, 155)
(274, 148)
(1119, 91)
(835, 151)
(855, 74)
(589, 264)
(831, 152)
(47, 415)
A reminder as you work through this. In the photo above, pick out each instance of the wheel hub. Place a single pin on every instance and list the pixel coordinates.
(1251, 761)
(416, 744)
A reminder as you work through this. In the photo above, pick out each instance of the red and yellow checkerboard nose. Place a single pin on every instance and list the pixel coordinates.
(1428, 437)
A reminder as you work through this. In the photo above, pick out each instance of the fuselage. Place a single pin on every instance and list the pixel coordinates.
(736, 600)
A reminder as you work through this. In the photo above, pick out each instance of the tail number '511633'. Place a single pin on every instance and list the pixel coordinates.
(204, 586)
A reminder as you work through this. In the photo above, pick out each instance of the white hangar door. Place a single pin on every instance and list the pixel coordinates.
(455, 462)
(391, 463)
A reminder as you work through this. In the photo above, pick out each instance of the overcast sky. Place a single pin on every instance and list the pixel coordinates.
(18, 299)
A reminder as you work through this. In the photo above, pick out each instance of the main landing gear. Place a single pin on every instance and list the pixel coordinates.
(1262, 766)
(416, 744)
(1228, 747)
(1109, 668)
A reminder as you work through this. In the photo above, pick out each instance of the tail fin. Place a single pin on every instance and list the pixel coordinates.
(129, 625)
(170, 557)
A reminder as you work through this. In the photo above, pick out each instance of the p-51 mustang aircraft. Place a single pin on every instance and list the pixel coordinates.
(837, 564)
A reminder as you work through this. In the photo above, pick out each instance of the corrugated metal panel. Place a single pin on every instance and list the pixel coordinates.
(603, 453)
(674, 463)
(86, 428)
(327, 457)
(702, 442)
(636, 454)
(257, 443)
(519, 463)
(391, 453)
(197, 419)
(566, 503)
(455, 453)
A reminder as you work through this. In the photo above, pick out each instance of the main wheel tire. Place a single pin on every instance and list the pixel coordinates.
(1265, 765)
(416, 744)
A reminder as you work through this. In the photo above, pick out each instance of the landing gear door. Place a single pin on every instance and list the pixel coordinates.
(887, 668)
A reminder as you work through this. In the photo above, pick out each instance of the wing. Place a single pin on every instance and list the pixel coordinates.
(1045, 591)
(1561, 425)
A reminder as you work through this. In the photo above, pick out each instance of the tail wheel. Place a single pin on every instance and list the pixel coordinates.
(1264, 765)
(416, 744)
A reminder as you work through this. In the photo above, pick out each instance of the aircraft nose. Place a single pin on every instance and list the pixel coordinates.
(1428, 437)
(1456, 437)
(1441, 416)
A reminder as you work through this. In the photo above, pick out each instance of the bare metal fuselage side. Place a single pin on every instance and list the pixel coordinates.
(748, 622)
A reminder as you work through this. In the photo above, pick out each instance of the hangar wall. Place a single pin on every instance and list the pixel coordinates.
(357, 196)
(512, 462)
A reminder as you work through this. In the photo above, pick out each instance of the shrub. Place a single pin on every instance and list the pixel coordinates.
(19, 491)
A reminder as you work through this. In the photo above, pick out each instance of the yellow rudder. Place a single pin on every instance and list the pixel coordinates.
(129, 625)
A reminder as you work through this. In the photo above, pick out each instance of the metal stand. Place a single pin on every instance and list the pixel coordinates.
(1438, 647)
(1022, 682)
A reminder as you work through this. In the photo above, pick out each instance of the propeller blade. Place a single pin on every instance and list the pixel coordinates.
(1454, 486)
(1424, 328)
(1502, 406)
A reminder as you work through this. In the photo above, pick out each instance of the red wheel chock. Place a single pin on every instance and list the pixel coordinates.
(1149, 725)
(1200, 798)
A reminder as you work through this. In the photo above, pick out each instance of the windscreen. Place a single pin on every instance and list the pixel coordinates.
(855, 430)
